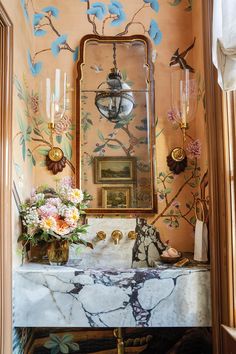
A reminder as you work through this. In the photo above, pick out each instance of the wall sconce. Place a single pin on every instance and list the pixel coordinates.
(183, 105)
(55, 160)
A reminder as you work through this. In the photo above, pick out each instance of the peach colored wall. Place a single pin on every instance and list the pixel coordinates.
(175, 218)
(23, 174)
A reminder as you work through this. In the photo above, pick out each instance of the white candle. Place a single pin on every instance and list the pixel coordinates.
(53, 108)
(65, 84)
(57, 85)
(183, 103)
(48, 98)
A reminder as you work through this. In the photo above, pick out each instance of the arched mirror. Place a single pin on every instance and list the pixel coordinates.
(115, 124)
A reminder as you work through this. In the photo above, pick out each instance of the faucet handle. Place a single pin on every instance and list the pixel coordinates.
(132, 235)
(116, 235)
(101, 235)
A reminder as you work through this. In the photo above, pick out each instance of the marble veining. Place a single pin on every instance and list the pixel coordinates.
(146, 297)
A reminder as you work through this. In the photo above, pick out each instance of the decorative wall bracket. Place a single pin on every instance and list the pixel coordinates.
(55, 159)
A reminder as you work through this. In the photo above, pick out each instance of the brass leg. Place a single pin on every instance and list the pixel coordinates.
(120, 342)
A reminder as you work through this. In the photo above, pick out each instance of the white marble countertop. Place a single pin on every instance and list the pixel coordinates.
(69, 296)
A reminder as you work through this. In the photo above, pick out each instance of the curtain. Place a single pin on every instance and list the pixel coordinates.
(224, 42)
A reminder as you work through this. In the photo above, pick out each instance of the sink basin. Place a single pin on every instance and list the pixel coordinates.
(76, 296)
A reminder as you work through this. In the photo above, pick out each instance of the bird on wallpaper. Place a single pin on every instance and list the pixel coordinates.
(179, 58)
(96, 68)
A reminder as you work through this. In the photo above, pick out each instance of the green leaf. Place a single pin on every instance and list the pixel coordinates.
(160, 132)
(43, 151)
(55, 337)
(100, 135)
(69, 136)
(50, 344)
(114, 147)
(64, 348)
(193, 220)
(23, 149)
(99, 148)
(162, 174)
(167, 221)
(74, 346)
(59, 139)
(55, 350)
(175, 2)
(22, 124)
(167, 190)
(67, 338)
(67, 149)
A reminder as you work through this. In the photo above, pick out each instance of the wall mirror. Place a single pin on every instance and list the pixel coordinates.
(115, 124)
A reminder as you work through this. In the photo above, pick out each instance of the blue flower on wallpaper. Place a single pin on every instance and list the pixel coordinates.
(76, 54)
(116, 8)
(52, 10)
(56, 45)
(97, 9)
(35, 68)
(36, 21)
(25, 9)
(153, 3)
(154, 32)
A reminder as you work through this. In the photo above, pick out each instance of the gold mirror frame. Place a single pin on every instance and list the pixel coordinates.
(81, 62)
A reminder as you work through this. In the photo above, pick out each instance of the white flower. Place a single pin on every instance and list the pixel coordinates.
(48, 223)
(75, 196)
(72, 216)
(31, 217)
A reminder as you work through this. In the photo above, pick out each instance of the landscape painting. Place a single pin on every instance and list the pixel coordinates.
(115, 169)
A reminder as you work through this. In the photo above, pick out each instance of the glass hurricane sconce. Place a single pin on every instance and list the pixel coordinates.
(55, 160)
(114, 98)
(183, 106)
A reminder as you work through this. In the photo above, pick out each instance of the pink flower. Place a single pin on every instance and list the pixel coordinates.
(171, 116)
(176, 204)
(67, 182)
(54, 202)
(194, 149)
(47, 210)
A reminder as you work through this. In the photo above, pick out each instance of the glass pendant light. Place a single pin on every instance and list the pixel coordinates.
(114, 98)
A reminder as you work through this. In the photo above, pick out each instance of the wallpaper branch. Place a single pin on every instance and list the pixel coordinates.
(176, 194)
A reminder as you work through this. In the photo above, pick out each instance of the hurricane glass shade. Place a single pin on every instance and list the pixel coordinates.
(183, 95)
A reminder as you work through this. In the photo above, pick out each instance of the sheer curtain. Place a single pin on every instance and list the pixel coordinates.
(224, 42)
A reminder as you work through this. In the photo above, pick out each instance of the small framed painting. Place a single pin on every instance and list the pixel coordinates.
(115, 169)
(118, 197)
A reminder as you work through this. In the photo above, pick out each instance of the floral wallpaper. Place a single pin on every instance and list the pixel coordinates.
(57, 29)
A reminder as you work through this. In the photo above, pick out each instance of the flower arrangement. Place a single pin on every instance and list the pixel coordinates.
(54, 214)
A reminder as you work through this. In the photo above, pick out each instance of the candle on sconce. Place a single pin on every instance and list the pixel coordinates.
(183, 103)
(48, 98)
(65, 86)
(57, 88)
(53, 109)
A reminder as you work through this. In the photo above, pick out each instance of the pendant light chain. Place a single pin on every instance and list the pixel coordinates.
(114, 56)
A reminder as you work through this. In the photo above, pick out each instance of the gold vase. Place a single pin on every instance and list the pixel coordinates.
(58, 252)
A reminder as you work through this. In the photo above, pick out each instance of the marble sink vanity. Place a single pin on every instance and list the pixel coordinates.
(100, 289)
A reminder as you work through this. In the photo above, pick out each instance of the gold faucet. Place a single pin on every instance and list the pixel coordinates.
(101, 235)
(132, 235)
(116, 236)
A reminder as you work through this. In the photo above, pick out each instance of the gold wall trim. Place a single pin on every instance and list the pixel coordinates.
(6, 78)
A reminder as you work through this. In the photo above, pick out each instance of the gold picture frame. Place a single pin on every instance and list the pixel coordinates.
(115, 169)
(116, 197)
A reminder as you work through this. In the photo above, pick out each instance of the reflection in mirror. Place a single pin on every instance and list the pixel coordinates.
(115, 130)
